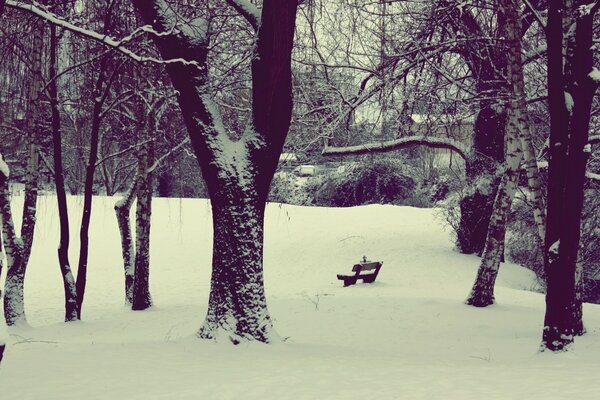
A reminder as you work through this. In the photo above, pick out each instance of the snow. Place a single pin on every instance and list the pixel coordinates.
(595, 74)
(569, 102)
(4, 169)
(407, 336)
(554, 248)
(248, 8)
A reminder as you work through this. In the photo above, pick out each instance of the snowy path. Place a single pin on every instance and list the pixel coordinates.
(408, 336)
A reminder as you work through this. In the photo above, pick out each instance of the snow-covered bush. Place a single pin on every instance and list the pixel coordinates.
(382, 181)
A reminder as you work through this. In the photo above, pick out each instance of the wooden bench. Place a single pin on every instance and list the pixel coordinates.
(371, 267)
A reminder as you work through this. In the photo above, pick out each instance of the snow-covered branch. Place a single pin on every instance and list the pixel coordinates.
(117, 44)
(536, 14)
(391, 145)
(248, 10)
(594, 139)
(4, 170)
(592, 176)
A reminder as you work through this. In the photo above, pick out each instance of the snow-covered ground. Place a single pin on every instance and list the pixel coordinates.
(407, 336)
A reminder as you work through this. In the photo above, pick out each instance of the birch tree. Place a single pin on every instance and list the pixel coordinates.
(482, 293)
(20, 246)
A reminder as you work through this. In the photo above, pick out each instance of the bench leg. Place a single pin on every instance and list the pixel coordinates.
(369, 279)
(349, 281)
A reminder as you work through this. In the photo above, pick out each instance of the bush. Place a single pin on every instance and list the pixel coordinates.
(288, 188)
(380, 181)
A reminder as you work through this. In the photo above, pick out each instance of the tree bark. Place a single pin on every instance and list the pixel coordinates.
(59, 181)
(237, 304)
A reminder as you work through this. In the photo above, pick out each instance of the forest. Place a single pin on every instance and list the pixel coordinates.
(181, 181)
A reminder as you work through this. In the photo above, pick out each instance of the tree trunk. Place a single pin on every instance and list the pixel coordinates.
(480, 167)
(122, 210)
(482, 293)
(14, 310)
(88, 192)
(237, 304)
(566, 172)
(533, 181)
(59, 181)
(141, 285)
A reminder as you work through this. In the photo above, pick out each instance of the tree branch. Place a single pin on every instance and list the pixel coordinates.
(391, 145)
(167, 154)
(247, 10)
(116, 44)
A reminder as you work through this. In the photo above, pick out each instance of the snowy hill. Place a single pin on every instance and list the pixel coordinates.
(407, 336)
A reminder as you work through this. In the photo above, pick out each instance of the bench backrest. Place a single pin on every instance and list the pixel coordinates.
(368, 266)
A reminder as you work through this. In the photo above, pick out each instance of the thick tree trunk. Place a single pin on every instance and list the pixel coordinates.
(61, 196)
(88, 192)
(141, 285)
(122, 210)
(566, 172)
(237, 304)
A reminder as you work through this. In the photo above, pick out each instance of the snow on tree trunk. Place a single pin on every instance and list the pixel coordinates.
(482, 293)
(141, 298)
(569, 132)
(59, 181)
(122, 211)
(237, 304)
(14, 310)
